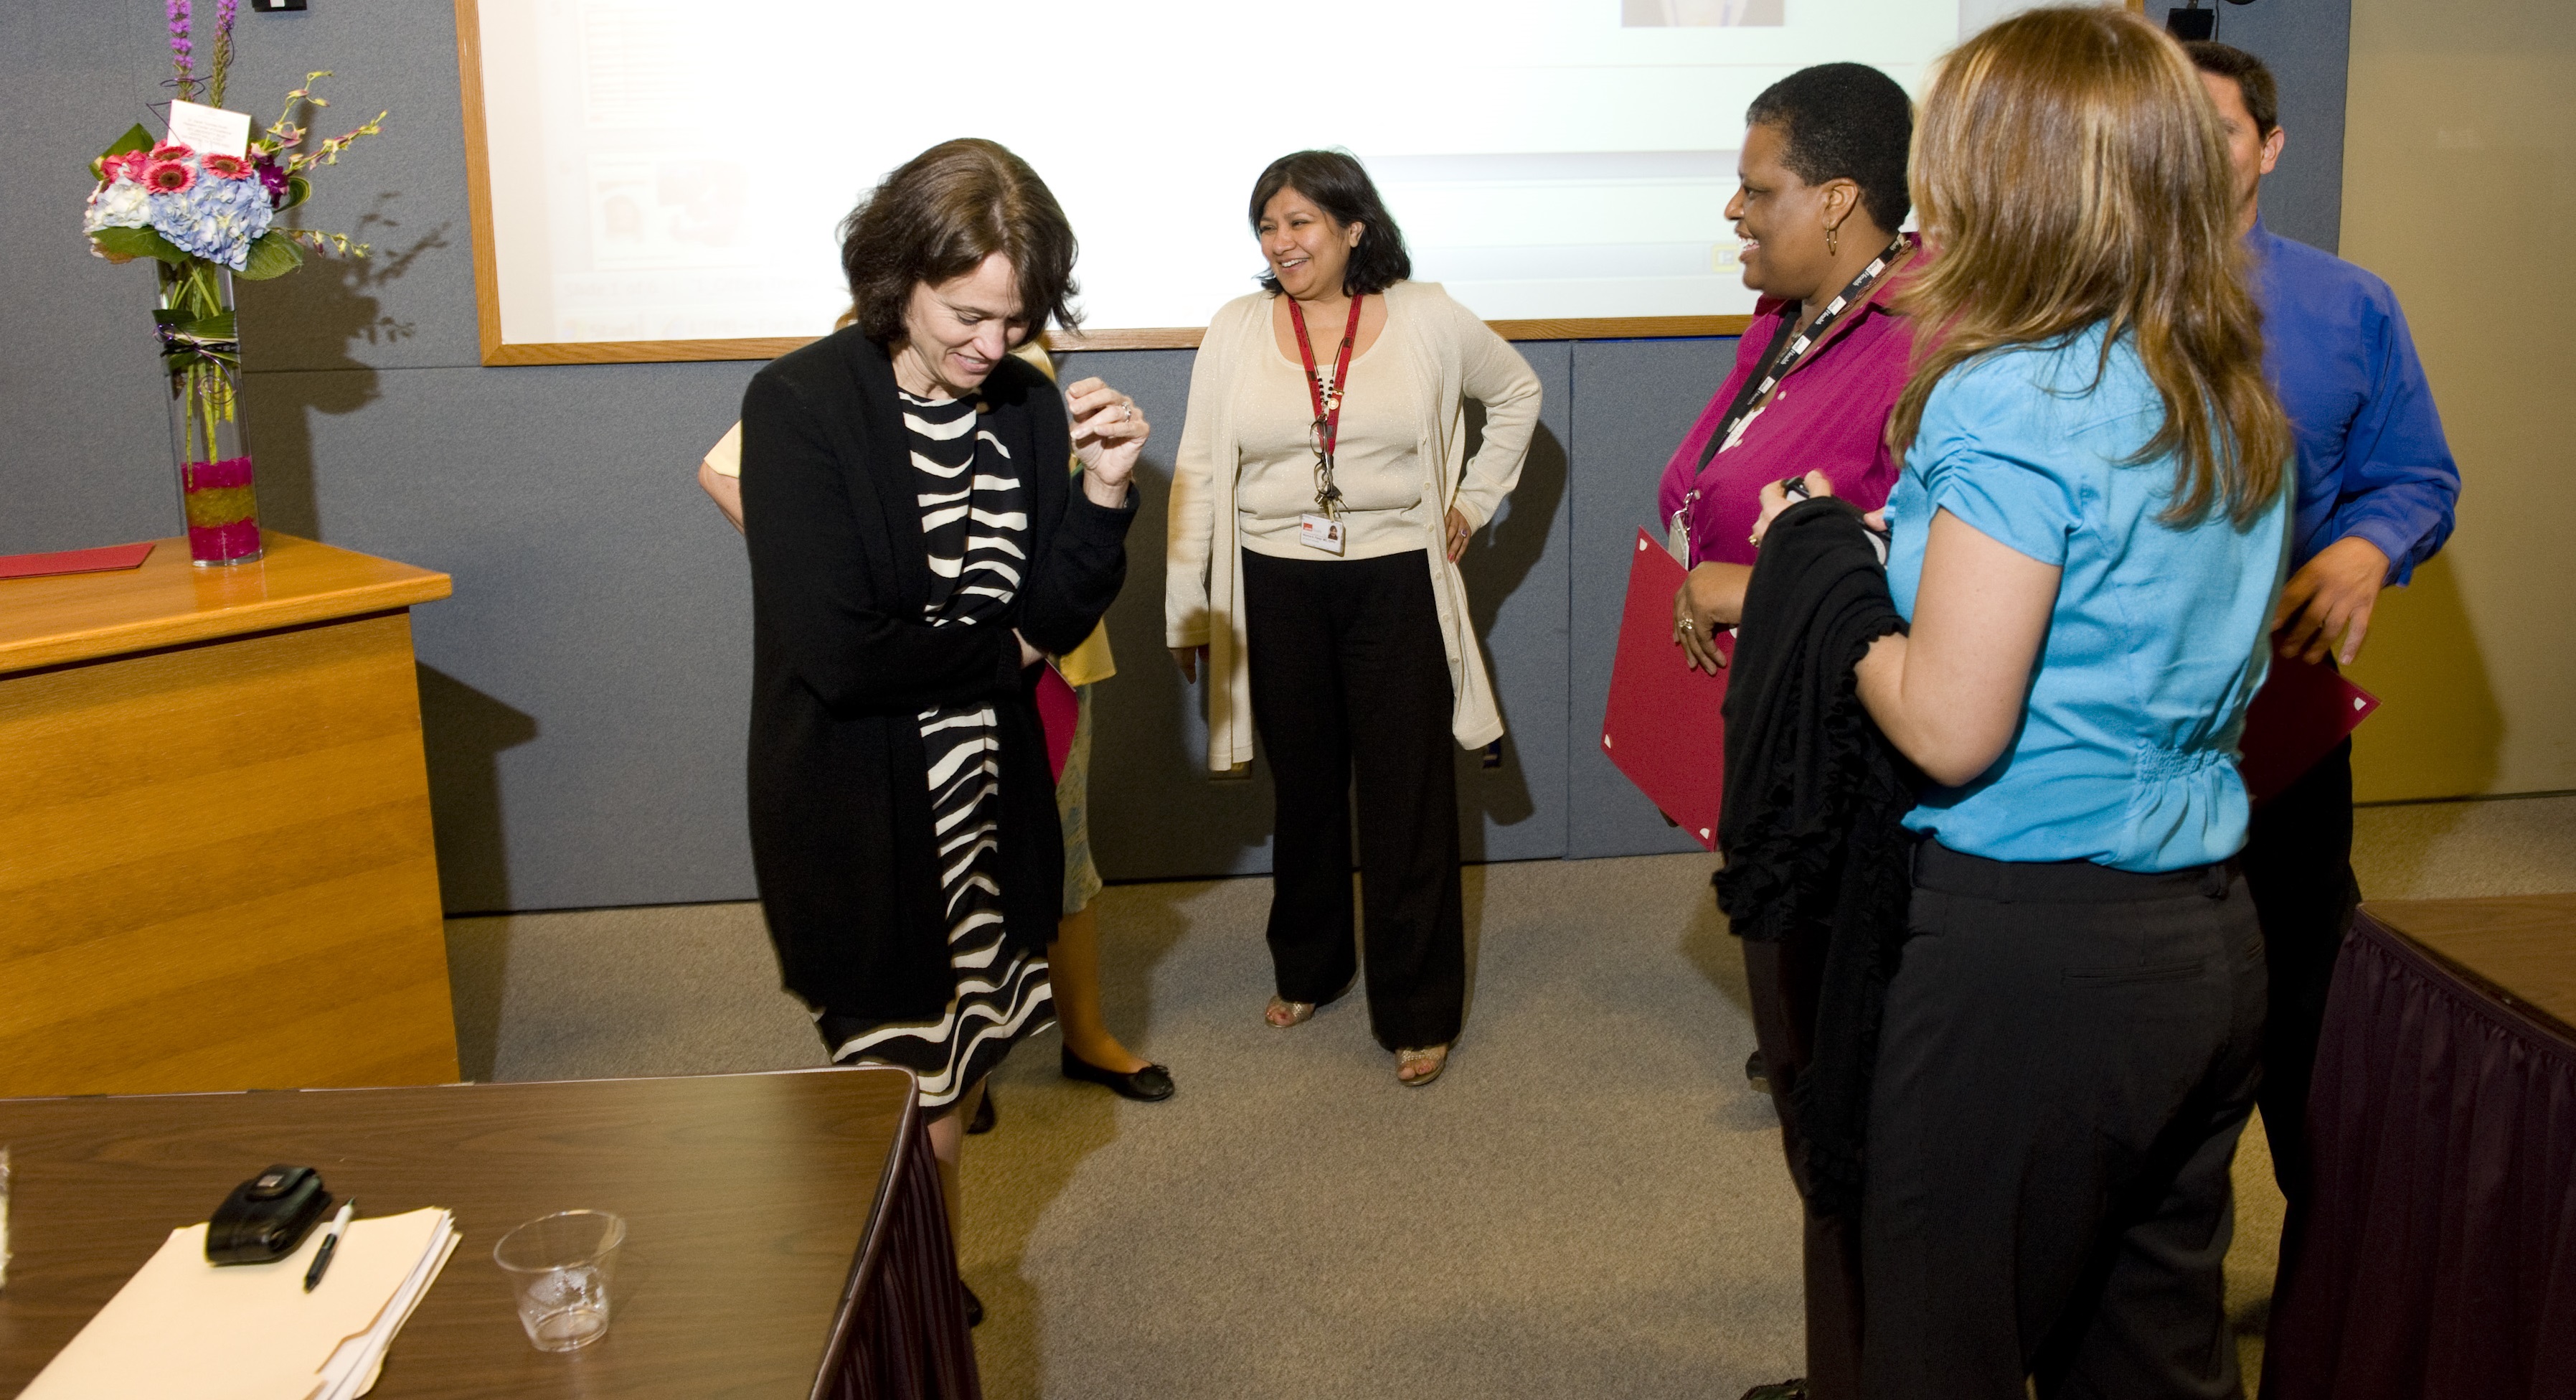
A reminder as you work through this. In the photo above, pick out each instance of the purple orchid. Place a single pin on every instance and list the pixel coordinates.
(272, 178)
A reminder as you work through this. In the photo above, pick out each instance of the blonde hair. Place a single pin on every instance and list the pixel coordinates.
(2070, 169)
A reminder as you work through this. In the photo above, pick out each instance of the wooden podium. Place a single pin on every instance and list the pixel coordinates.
(216, 869)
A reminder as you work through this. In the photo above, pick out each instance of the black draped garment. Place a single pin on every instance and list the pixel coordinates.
(1811, 824)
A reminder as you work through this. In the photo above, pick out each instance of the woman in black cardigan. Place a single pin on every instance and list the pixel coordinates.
(916, 549)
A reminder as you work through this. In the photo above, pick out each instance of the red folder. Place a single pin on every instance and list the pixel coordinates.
(1663, 729)
(75, 561)
(1059, 711)
(2304, 709)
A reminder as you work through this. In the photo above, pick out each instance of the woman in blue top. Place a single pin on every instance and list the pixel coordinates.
(2088, 538)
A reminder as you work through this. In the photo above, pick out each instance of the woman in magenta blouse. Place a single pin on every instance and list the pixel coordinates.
(1822, 195)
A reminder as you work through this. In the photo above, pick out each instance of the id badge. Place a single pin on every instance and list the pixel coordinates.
(1320, 532)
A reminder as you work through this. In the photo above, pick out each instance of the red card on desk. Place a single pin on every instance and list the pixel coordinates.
(1663, 729)
(75, 561)
(2304, 709)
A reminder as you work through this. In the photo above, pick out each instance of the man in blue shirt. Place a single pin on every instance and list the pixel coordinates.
(2376, 485)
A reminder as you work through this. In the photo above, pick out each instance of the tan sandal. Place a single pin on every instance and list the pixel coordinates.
(1296, 1012)
(1436, 1056)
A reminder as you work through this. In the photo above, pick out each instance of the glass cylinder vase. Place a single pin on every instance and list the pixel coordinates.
(201, 357)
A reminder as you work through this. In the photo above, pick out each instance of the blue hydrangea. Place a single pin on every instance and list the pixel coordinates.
(215, 219)
(123, 204)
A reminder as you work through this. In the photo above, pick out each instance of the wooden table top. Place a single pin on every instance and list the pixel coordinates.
(170, 602)
(746, 1198)
(2520, 949)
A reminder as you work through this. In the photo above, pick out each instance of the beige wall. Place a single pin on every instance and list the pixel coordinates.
(2459, 187)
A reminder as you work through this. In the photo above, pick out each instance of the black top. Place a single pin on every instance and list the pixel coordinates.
(1812, 825)
(844, 659)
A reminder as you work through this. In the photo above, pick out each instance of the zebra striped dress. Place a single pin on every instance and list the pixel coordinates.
(974, 522)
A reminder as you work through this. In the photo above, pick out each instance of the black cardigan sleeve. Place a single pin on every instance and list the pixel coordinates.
(1085, 566)
(811, 586)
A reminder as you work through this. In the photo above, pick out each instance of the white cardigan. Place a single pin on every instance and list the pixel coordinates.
(1456, 358)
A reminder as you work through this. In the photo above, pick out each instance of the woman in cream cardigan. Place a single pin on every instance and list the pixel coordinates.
(1322, 497)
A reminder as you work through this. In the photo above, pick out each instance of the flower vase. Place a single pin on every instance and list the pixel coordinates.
(201, 356)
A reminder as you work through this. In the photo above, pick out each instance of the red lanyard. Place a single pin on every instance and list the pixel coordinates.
(1328, 410)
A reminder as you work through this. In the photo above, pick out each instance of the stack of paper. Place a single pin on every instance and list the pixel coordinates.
(185, 1329)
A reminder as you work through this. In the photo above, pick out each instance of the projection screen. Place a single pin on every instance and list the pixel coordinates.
(662, 179)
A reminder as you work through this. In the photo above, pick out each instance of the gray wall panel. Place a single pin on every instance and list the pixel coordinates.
(1518, 572)
(1155, 812)
(84, 445)
(585, 691)
(2307, 47)
(1633, 401)
(403, 192)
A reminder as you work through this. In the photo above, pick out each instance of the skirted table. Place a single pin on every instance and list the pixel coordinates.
(2439, 1259)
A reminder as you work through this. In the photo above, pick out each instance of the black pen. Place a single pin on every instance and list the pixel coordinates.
(330, 1243)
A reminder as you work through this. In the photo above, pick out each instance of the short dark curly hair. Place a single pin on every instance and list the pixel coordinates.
(1845, 121)
(1340, 186)
(2262, 95)
(938, 216)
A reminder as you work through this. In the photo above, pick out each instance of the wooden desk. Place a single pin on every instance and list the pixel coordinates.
(2435, 1259)
(769, 1219)
(216, 869)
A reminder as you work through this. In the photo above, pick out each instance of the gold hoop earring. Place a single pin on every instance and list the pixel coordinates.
(1830, 248)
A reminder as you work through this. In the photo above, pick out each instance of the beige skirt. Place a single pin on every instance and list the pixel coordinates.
(1072, 808)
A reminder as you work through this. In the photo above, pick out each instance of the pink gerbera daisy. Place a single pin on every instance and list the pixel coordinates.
(168, 177)
(226, 167)
(172, 150)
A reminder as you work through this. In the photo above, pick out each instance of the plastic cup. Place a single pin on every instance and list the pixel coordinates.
(560, 1265)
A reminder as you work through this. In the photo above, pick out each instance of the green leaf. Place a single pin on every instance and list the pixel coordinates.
(221, 325)
(136, 139)
(298, 190)
(272, 254)
(137, 243)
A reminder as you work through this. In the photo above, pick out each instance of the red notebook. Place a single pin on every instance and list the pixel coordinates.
(1663, 729)
(2304, 709)
(1059, 711)
(75, 561)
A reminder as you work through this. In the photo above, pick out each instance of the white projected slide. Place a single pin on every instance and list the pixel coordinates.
(666, 170)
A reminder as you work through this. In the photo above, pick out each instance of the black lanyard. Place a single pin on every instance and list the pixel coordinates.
(1785, 354)
(1327, 399)
(1782, 355)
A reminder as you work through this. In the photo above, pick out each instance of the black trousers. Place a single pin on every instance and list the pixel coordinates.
(1784, 980)
(2068, 1057)
(2298, 863)
(1350, 679)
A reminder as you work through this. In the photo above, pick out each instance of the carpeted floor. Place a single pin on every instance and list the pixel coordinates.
(1590, 1202)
